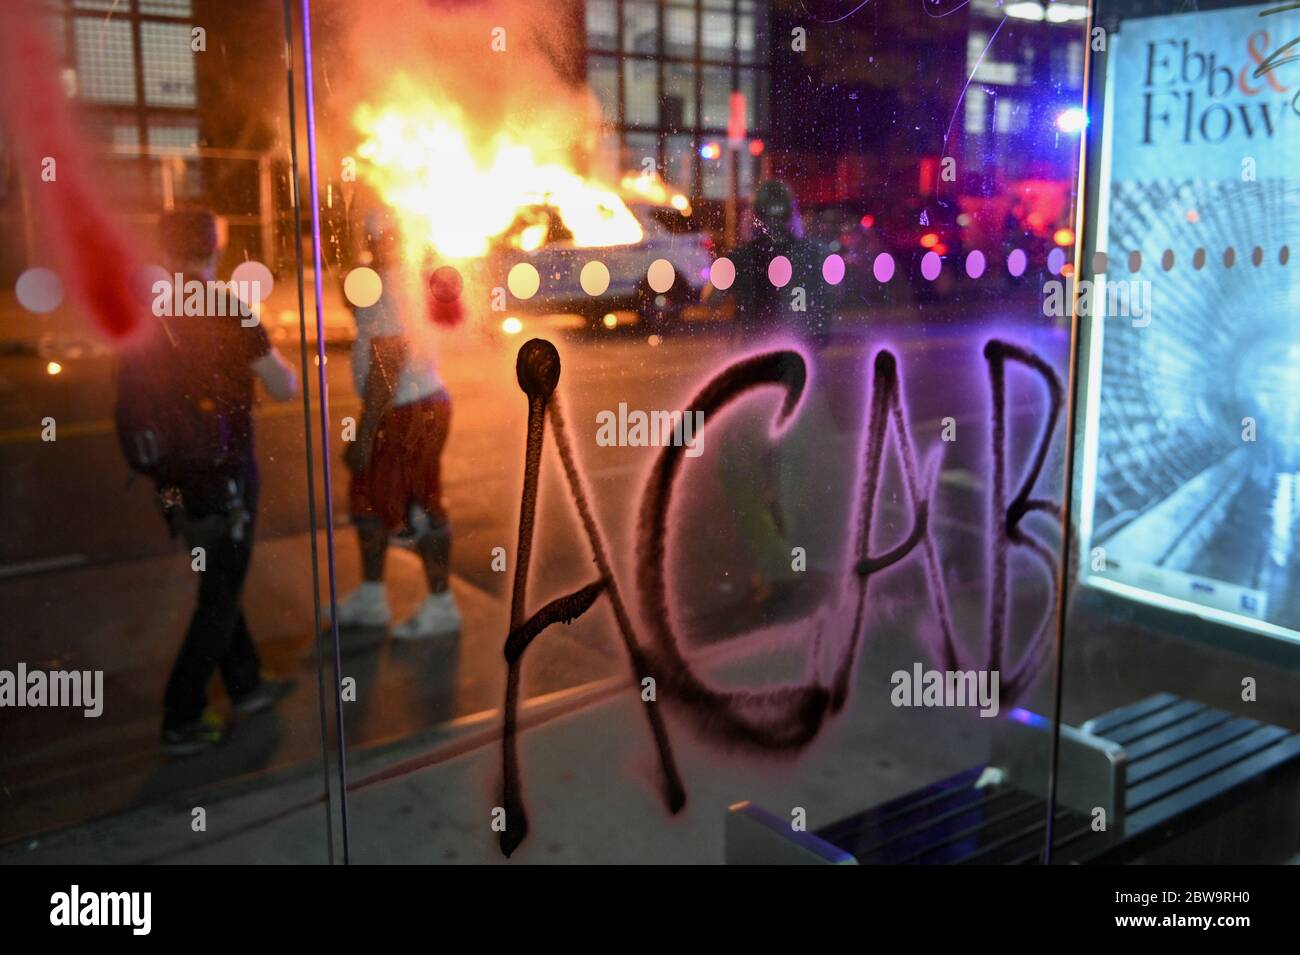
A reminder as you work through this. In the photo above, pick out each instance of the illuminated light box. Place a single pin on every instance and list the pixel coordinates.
(1189, 477)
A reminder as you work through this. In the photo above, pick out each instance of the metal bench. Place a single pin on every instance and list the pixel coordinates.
(1176, 779)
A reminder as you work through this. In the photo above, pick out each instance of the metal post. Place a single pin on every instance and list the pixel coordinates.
(733, 186)
(266, 211)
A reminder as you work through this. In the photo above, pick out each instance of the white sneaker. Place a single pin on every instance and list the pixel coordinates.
(367, 606)
(436, 617)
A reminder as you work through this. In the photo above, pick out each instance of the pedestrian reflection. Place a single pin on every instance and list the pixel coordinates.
(395, 457)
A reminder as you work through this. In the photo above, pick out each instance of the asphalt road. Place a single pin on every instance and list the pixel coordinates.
(73, 501)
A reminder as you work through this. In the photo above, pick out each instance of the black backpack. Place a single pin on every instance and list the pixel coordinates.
(169, 417)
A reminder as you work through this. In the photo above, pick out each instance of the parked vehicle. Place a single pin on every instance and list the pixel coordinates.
(559, 262)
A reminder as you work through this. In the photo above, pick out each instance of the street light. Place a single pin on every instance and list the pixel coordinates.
(1072, 120)
(1025, 10)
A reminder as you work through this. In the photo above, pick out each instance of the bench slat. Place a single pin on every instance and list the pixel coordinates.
(1101, 725)
(1201, 722)
(1191, 772)
(1019, 846)
(1169, 716)
(1142, 769)
(1215, 785)
(865, 840)
(956, 844)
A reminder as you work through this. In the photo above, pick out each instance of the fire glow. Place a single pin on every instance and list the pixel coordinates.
(458, 189)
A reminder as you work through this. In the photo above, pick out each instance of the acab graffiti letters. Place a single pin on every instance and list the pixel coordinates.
(787, 717)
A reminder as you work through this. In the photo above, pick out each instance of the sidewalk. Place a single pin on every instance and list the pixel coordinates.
(588, 770)
(127, 619)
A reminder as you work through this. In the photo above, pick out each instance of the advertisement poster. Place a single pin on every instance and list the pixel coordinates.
(1191, 455)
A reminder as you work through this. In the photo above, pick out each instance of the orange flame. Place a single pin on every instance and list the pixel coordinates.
(459, 189)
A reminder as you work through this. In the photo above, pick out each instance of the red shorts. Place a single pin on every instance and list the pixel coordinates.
(405, 464)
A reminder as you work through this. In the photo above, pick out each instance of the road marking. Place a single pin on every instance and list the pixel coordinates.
(23, 568)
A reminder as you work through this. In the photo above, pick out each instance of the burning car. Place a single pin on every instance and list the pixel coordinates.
(489, 199)
(594, 282)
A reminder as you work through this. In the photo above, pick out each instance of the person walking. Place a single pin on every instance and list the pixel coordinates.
(184, 418)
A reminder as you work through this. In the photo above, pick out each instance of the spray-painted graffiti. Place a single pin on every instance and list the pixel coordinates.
(789, 716)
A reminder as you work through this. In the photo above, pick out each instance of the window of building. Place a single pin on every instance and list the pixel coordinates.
(105, 60)
(602, 77)
(602, 24)
(680, 81)
(641, 95)
(664, 72)
(640, 26)
(167, 8)
(168, 64)
(680, 28)
(135, 74)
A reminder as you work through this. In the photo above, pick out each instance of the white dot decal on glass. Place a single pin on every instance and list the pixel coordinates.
(1167, 260)
(833, 269)
(523, 280)
(975, 264)
(1134, 260)
(931, 266)
(1229, 257)
(1016, 262)
(883, 267)
(1257, 257)
(363, 287)
(1198, 259)
(594, 278)
(153, 284)
(661, 275)
(1056, 261)
(1284, 255)
(779, 271)
(1100, 263)
(257, 278)
(722, 273)
(39, 290)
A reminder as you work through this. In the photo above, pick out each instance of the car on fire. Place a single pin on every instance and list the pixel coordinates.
(540, 237)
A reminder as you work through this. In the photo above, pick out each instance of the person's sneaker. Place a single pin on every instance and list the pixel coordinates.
(367, 606)
(436, 617)
(192, 738)
(263, 696)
